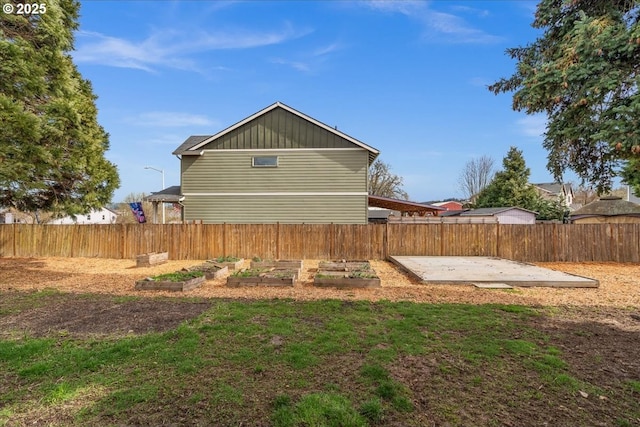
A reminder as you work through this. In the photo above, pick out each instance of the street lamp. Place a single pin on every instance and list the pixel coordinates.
(162, 172)
(157, 170)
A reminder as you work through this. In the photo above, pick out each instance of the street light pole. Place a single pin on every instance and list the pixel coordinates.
(162, 172)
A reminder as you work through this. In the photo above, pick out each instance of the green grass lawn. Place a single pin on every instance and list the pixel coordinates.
(323, 363)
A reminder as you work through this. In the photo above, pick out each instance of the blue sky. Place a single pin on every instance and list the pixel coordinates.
(406, 77)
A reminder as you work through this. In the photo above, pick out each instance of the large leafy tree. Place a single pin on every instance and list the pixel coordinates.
(583, 73)
(384, 183)
(51, 145)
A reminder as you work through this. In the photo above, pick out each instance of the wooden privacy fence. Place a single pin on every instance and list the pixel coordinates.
(529, 243)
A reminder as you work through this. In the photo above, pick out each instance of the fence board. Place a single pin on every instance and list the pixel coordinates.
(529, 243)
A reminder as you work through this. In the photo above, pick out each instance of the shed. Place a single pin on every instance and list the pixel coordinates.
(607, 210)
(501, 215)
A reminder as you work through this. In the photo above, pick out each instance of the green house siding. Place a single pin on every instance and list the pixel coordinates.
(278, 129)
(286, 209)
(308, 185)
(297, 171)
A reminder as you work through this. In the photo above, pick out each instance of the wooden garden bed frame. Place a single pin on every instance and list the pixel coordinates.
(151, 259)
(211, 270)
(340, 274)
(231, 265)
(270, 277)
(155, 285)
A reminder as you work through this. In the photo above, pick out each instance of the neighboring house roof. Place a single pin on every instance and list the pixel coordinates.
(402, 205)
(453, 212)
(492, 211)
(554, 187)
(193, 144)
(607, 206)
(111, 210)
(171, 194)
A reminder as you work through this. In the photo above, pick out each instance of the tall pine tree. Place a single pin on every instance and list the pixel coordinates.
(582, 72)
(51, 145)
(510, 187)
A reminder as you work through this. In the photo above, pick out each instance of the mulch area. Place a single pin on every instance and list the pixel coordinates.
(615, 303)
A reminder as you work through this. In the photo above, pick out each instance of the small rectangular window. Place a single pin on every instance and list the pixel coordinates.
(264, 162)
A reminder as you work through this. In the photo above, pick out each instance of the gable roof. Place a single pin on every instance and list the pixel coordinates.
(554, 187)
(189, 143)
(607, 206)
(194, 144)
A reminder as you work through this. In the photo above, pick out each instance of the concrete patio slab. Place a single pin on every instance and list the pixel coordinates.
(470, 270)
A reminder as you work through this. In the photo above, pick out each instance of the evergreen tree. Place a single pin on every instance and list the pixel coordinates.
(582, 72)
(510, 187)
(51, 145)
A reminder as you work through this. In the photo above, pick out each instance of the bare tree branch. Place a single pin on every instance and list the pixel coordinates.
(476, 175)
(384, 183)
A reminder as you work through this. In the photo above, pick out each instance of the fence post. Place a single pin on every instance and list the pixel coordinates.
(224, 239)
(14, 238)
(278, 240)
(498, 240)
(385, 241)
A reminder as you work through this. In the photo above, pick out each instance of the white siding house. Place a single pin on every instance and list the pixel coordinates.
(99, 216)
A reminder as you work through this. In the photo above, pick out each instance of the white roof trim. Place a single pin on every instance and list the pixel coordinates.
(291, 110)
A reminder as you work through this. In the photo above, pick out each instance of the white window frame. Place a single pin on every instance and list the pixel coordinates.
(254, 165)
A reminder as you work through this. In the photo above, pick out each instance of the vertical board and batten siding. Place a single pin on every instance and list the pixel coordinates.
(307, 186)
(278, 129)
(527, 243)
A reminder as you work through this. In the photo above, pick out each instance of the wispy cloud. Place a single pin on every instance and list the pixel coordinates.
(532, 126)
(296, 65)
(470, 10)
(309, 61)
(407, 7)
(172, 48)
(170, 119)
(438, 26)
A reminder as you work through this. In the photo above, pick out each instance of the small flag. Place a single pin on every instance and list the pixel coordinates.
(138, 212)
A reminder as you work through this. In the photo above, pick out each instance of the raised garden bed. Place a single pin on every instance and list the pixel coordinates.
(344, 265)
(178, 281)
(278, 264)
(346, 274)
(151, 258)
(231, 262)
(281, 264)
(261, 277)
(211, 271)
(324, 280)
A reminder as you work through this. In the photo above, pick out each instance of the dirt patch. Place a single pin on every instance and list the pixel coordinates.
(596, 353)
(81, 315)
